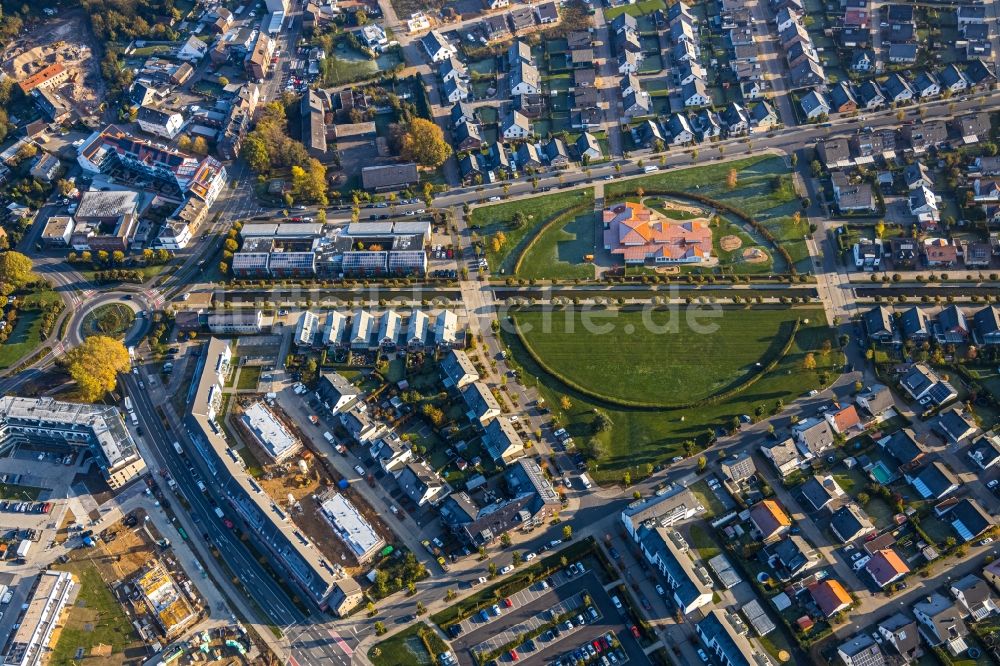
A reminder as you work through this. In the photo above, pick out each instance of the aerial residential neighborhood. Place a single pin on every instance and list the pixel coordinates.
(481, 332)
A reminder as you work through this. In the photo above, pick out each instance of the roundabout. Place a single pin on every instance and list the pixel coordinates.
(117, 314)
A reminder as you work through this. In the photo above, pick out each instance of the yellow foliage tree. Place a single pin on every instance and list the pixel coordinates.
(731, 179)
(423, 142)
(95, 365)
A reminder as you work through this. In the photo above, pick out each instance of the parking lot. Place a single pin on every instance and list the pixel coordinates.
(530, 608)
(572, 605)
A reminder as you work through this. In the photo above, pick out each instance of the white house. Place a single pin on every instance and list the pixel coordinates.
(161, 123)
(374, 37)
(516, 126)
(437, 47)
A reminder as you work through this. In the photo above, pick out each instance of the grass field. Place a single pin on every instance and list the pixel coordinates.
(11, 492)
(664, 365)
(249, 377)
(637, 437)
(488, 220)
(558, 252)
(403, 649)
(113, 319)
(27, 333)
(97, 618)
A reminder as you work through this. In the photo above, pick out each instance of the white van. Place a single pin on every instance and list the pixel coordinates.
(651, 169)
(328, 437)
(585, 480)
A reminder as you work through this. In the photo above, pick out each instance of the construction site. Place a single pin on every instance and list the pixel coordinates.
(60, 43)
(133, 594)
(300, 484)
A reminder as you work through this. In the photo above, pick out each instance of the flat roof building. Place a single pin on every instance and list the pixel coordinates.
(29, 644)
(351, 528)
(99, 428)
(270, 432)
(258, 514)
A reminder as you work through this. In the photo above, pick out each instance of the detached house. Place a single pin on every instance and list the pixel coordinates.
(876, 399)
(842, 99)
(952, 79)
(933, 481)
(813, 436)
(438, 48)
(849, 522)
(901, 633)
(783, 455)
(896, 89)
(694, 94)
(886, 567)
(924, 386)
(763, 117)
(986, 326)
(974, 596)
(814, 105)
(926, 85)
(770, 520)
(985, 451)
(516, 126)
(941, 623)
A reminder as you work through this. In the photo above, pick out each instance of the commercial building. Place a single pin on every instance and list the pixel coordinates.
(113, 149)
(270, 433)
(352, 528)
(166, 600)
(105, 220)
(58, 231)
(259, 59)
(99, 428)
(29, 645)
(258, 514)
(313, 124)
(389, 176)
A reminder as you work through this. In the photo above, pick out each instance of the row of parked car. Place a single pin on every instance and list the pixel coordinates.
(25, 507)
(601, 650)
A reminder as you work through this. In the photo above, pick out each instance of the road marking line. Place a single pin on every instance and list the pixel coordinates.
(341, 643)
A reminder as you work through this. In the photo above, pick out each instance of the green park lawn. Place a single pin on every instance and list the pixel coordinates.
(486, 221)
(27, 333)
(558, 251)
(682, 366)
(666, 364)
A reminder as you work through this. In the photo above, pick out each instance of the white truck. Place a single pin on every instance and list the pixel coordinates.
(23, 548)
(219, 513)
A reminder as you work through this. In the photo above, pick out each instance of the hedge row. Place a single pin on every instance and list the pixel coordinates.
(749, 219)
(752, 379)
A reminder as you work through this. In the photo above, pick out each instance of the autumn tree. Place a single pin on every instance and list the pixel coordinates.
(731, 179)
(809, 362)
(95, 365)
(15, 269)
(184, 143)
(310, 183)
(199, 146)
(423, 142)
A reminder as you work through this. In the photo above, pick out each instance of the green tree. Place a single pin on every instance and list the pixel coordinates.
(255, 152)
(567, 532)
(702, 463)
(505, 539)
